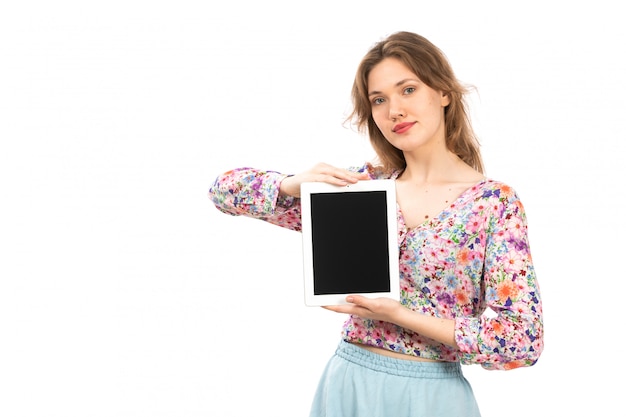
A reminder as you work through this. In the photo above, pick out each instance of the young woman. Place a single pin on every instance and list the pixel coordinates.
(469, 293)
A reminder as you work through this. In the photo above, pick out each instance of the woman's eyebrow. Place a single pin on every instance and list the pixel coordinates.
(398, 84)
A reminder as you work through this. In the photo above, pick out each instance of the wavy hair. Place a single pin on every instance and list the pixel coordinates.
(432, 67)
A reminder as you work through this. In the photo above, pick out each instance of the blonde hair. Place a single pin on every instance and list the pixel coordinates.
(432, 67)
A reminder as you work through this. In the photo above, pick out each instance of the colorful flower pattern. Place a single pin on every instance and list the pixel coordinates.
(473, 257)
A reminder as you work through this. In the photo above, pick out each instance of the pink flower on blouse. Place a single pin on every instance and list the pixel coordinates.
(474, 223)
(513, 262)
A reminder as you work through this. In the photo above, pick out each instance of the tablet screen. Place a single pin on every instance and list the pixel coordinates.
(349, 238)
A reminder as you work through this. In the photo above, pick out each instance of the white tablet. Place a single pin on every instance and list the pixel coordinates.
(350, 241)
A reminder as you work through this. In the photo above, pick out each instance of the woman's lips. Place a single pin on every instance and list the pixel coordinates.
(402, 127)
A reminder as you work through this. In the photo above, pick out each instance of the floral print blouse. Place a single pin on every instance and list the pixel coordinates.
(472, 258)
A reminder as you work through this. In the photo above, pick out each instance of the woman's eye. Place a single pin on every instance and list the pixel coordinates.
(378, 100)
(409, 90)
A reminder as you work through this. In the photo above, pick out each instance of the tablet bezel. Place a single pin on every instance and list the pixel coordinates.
(309, 188)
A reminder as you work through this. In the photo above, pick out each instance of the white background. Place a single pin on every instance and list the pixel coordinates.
(124, 292)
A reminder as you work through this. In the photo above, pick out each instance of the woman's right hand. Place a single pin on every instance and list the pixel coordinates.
(321, 172)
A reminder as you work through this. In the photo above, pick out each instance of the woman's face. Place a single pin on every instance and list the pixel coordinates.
(408, 112)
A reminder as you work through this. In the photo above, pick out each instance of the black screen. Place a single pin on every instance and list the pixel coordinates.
(350, 242)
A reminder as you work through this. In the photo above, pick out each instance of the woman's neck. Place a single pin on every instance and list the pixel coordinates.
(437, 167)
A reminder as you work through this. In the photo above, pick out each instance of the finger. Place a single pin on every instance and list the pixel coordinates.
(337, 179)
(351, 307)
(340, 173)
(358, 300)
(345, 309)
(349, 177)
(334, 179)
(356, 176)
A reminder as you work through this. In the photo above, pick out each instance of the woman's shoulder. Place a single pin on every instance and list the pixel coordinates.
(496, 188)
(500, 195)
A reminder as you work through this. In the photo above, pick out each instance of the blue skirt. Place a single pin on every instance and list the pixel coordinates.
(360, 383)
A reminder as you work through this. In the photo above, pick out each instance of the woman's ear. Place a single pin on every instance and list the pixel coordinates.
(445, 99)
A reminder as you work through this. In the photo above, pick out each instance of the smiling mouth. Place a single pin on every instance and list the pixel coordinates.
(402, 127)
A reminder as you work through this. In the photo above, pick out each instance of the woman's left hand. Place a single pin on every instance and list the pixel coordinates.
(382, 308)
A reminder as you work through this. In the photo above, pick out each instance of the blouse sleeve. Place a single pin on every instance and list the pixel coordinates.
(513, 336)
(255, 193)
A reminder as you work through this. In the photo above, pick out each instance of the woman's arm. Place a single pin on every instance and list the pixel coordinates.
(514, 337)
(272, 196)
(321, 172)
